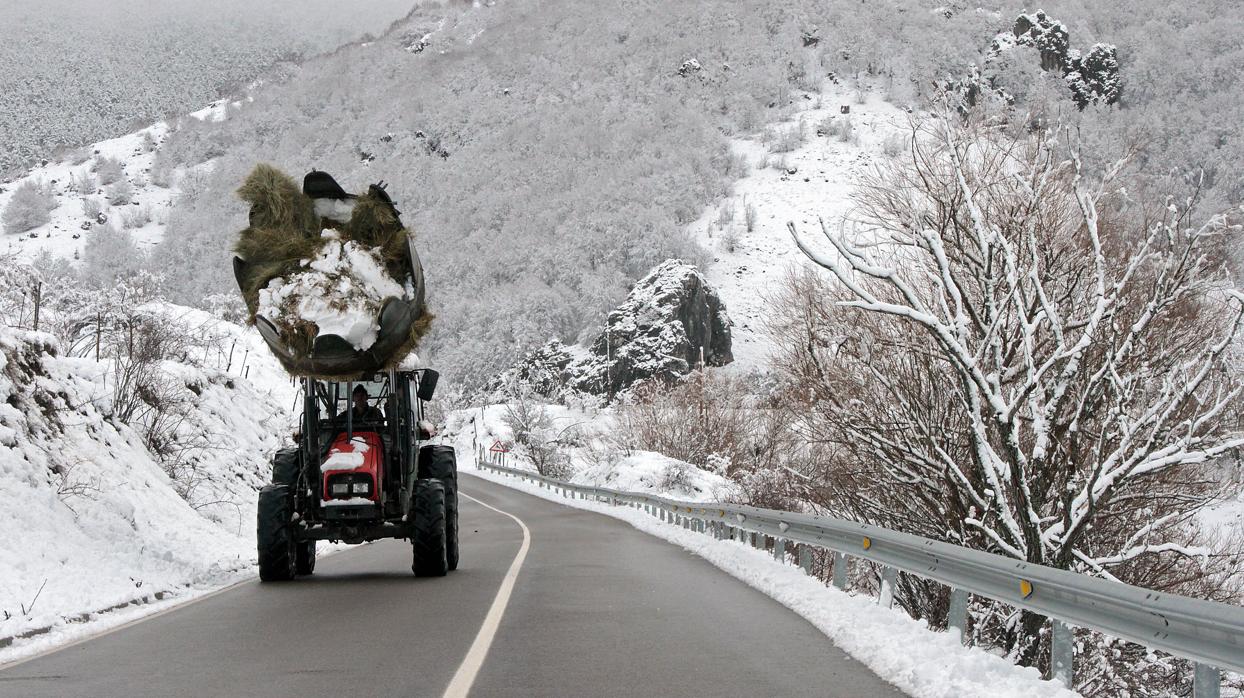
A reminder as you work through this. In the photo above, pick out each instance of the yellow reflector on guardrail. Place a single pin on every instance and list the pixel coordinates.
(1025, 588)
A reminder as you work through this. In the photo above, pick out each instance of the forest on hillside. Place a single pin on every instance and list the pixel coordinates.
(74, 72)
(548, 154)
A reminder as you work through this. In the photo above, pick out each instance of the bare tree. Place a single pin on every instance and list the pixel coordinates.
(1033, 364)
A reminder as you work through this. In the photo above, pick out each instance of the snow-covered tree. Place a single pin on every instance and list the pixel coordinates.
(30, 207)
(119, 193)
(1020, 360)
(109, 170)
(110, 256)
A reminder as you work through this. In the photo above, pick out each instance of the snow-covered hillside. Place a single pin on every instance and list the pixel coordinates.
(801, 171)
(92, 517)
(71, 222)
(586, 453)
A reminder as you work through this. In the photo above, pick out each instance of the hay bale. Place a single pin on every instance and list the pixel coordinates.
(325, 266)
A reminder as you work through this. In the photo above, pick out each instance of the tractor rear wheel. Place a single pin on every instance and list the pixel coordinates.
(285, 466)
(428, 540)
(451, 525)
(304, 558)
(274, 533)
(440, 462)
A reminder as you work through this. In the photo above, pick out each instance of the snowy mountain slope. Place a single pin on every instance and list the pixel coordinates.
(70, 228)
(811, 181)
(92, 517)
(77, 71)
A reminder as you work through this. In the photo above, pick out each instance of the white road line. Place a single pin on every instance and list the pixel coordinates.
(460, 685)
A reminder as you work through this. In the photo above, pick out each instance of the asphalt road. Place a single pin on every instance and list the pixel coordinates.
(598, 609)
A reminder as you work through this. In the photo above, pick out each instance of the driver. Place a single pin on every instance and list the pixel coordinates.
(360, 410)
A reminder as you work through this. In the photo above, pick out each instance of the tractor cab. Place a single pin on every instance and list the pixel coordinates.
(356, 444)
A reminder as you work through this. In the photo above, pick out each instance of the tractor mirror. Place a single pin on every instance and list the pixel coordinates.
(427, 384)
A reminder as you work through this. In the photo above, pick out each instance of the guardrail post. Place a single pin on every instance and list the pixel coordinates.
(1206, 681)
(805, 558)
(1062, 644)
(957, 618)
(779, 550)
(840, 571)
(885, 596)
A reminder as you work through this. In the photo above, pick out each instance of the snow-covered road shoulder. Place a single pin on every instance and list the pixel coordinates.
(899, 649)
(107, 519)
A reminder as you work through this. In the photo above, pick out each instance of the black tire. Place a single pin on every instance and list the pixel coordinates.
(304, 558)
(428, 540)
(440, 462)
(285, 466)
(451, 526)
(275, 534)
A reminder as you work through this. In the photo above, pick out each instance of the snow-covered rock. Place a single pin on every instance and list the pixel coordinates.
(1092, 77)
(670, 322)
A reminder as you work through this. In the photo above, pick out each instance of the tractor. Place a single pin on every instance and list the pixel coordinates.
(361, 471)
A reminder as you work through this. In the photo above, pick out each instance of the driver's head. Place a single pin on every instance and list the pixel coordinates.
(360, 397)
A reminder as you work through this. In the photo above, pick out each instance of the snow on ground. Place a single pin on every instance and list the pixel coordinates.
(70, 228)
(899, 649)
(593, 456)
(812, 181)
(92, 518)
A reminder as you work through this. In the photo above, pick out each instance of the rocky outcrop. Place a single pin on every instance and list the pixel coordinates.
(1092, 77)
(670, 323)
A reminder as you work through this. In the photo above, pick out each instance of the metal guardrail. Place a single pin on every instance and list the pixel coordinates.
(1208, 633)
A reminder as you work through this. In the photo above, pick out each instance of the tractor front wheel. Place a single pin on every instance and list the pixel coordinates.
(275, 534)
(428, 539)
(304, 558)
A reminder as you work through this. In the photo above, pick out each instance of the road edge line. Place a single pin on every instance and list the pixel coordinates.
(464, 677)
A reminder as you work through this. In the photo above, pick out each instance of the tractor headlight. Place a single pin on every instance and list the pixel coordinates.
(339, 489)
(362, 488)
